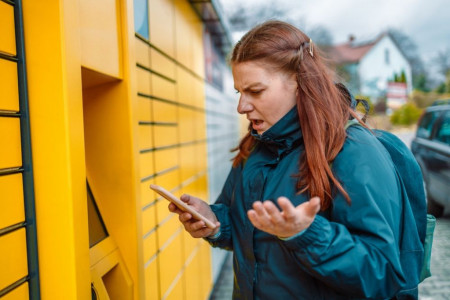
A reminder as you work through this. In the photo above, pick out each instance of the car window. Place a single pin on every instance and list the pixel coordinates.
(426, 124)
(443, 132)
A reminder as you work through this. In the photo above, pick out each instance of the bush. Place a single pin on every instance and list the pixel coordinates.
(407, 114)
(423, 100)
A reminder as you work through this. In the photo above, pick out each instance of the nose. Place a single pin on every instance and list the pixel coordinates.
(244, 106)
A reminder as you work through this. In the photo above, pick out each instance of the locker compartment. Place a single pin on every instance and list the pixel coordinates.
(19, 293)
(162, 64)
(12, 203)
(7, 32)
(165, 135)
(13, 257)
(10, 151)
(164, 112)
(151, 280)
(8, 84)
(163, 88)
(146, 164)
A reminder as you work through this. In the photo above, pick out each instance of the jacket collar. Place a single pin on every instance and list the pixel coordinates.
(284, 135)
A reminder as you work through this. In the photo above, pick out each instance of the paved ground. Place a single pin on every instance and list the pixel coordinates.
(223, 289)
(437, 287)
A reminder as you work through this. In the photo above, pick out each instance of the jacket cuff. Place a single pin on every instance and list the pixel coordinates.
(221, 212)
(308, 236)
(293, 236)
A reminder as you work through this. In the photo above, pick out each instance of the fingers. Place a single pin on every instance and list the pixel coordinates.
(312, 207)
(287, 208)
(265, 215)
(186, 198)
(198, 229)
(258, 215)
(253, 214)
(274, 213)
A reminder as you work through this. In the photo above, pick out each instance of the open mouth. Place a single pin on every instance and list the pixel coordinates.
(257, 124)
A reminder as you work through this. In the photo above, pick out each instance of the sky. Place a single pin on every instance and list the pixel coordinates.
(426, 22)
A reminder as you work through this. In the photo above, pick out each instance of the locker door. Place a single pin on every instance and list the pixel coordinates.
(19, 274)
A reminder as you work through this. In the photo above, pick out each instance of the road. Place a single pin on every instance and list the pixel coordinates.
(405, 136)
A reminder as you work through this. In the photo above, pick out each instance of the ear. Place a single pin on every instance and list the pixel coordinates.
(293, 79)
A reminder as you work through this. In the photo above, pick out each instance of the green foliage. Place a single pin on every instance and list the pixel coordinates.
(421, 83)
(399, 78)
(407, 114)
(441, 88)
(403, 77)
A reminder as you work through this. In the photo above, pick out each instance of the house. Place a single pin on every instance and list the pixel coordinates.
(368, 67)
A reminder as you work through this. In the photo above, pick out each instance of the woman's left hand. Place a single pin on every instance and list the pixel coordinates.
(287, 222)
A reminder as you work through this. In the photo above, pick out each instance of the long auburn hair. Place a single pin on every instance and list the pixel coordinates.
(323, 107)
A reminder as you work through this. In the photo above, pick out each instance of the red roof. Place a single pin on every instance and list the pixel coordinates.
(351, 52)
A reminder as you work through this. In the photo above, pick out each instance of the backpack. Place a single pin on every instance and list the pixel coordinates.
(416, 266)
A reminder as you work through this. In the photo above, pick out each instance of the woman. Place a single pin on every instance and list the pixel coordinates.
(329, 225)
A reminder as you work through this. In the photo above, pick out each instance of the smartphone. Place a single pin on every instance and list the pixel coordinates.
(181, 205)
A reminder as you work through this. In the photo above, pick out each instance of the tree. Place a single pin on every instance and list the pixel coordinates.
(442, 61)
(242, 17)
(409, 49)
(402, 77)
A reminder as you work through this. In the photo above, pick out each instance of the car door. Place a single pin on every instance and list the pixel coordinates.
(439, 160)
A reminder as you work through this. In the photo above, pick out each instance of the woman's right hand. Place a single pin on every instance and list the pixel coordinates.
(196, 228)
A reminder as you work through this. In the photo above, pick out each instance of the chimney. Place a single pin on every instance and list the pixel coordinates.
(351, 38)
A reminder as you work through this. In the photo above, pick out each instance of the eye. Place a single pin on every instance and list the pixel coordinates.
(256, 92)
(237, 92)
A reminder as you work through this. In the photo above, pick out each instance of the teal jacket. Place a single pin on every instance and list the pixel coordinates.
(348, 252)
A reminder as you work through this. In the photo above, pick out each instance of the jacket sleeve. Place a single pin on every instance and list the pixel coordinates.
(356, 251)
(222, 210)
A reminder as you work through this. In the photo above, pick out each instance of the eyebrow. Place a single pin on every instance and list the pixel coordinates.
(252, 86)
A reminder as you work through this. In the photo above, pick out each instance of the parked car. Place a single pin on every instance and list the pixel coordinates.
(431, 147)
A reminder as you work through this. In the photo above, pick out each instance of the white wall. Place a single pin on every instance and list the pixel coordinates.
(222, 128)
(374, 72)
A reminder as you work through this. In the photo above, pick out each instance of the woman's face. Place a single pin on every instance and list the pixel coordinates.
(266, 95)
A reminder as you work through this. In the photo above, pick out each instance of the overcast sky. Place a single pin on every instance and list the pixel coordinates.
(426, 22)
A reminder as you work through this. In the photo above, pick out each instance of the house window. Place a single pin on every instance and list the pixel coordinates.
(386, 56)
(141, 18)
